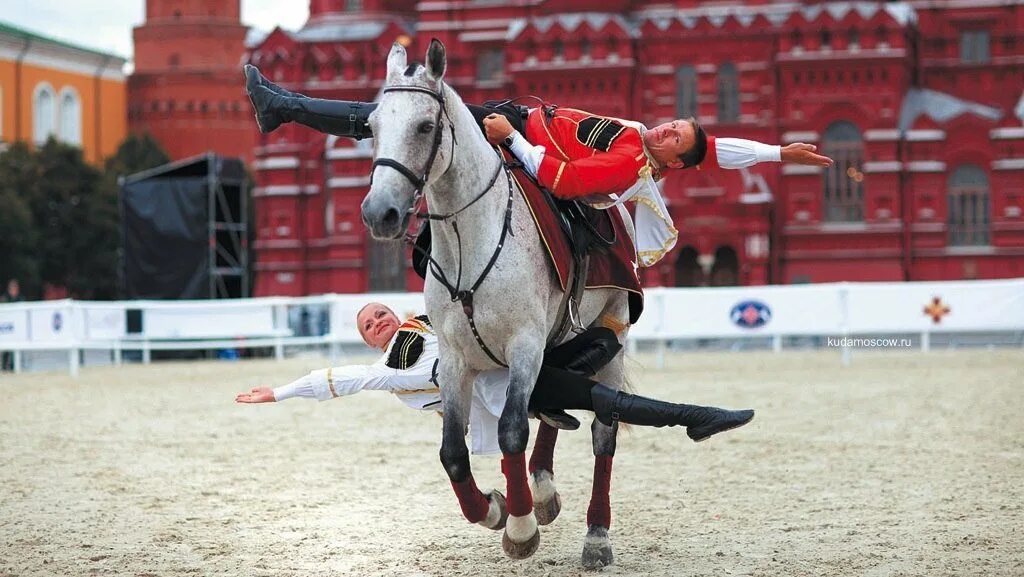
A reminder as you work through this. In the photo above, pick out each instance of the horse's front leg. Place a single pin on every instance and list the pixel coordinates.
(456, 383)
(522, 536)
(597, 547)
(547, 504)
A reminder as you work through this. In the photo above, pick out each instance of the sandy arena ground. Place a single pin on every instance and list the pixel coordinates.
(902, 464)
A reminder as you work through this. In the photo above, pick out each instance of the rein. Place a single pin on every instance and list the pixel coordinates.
(457, 294)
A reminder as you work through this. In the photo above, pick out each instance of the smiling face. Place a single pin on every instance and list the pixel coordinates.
(377, 324)
(667, 141)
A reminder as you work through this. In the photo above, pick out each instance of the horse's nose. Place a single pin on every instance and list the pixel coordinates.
(391, 219)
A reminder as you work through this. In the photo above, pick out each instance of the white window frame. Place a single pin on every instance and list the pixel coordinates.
(37, 136)
(74, 138)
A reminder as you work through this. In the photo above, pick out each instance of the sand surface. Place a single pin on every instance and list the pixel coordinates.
(902, 464)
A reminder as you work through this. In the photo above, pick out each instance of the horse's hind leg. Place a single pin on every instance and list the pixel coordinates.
(456, 396)
(522, 537)
(546, 501)
(597, 547)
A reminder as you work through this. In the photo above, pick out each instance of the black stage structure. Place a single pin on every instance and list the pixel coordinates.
(184, 230)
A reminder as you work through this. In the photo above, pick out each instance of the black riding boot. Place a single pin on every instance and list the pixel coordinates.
(700, 422)
(584, 355)
(275, 107)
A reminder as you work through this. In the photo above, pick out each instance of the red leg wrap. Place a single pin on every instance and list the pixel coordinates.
(519, 500)
(600, 511)
(473, 503)
(543, 455)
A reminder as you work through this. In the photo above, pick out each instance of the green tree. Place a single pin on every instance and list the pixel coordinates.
(77, 222)
(19, 256)
(138, 152)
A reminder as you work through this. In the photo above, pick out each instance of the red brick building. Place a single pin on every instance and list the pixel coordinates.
(919, 102)
(186, 89)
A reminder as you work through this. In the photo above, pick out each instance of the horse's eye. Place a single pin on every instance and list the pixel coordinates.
(426, 128)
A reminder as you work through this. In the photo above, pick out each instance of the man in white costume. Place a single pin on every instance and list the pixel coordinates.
(407, 369)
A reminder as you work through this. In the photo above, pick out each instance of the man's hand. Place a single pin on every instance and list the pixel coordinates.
(257, 395)
(800, 153)
(497, 128)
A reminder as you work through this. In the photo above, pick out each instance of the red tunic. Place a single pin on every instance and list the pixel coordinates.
(586, 154)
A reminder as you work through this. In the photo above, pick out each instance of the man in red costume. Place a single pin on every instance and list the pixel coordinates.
(601, 160)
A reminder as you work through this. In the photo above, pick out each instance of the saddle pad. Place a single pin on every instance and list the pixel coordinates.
(614, 268)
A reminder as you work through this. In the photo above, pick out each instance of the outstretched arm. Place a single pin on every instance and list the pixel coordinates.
(741, 153)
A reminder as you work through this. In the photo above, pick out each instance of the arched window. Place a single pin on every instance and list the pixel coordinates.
(70, 117)
(686, 91)
(688, 270)
(843, 182)
(726, 269)
(728, 93)
(968, 207)
(43, 113)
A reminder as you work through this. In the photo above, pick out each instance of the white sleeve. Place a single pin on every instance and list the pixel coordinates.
(528, 154)
(741, 153)
(301, 387)
(325, 384)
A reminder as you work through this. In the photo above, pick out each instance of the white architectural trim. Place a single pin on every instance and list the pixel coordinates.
(926, 166)
(660, 69)
(881, 134)
(483, 36)
(925, 135)
(800, 169)
(883, 166)
(66, 59)
(1008, 164)
(1007, 133)
(502, 23)
(348, 181)
(277, 190)
(800, 136)
(276, 162)
(348, 153)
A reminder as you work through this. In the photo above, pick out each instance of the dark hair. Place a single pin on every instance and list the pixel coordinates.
(695, 155)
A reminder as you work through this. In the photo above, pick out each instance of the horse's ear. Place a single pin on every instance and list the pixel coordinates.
(436, 59)
(397, 60)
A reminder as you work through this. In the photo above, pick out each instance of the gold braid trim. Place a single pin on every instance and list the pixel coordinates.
(650, 257)
(558, 177)
(330, 382)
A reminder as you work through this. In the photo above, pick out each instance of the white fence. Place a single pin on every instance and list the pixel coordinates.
(840, 311)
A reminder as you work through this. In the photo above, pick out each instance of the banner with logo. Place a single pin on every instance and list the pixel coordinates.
(52, 321)
(13, 325)
(936, 306)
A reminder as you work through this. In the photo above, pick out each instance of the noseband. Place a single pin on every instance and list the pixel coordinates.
(457, 294)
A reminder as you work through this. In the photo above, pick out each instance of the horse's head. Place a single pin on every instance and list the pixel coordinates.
(412, 140)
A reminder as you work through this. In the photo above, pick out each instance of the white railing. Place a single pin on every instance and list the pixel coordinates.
(840, 311)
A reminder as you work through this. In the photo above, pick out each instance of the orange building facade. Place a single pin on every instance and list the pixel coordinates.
(52, 88)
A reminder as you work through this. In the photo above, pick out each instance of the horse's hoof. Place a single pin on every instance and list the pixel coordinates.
(547, 503)
(497, 514)
(524, 548)
(597, 549)
(548, 511)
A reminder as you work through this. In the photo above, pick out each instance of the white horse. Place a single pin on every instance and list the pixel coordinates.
(492, 297)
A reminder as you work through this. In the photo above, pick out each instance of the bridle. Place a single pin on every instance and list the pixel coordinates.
(457, 294)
